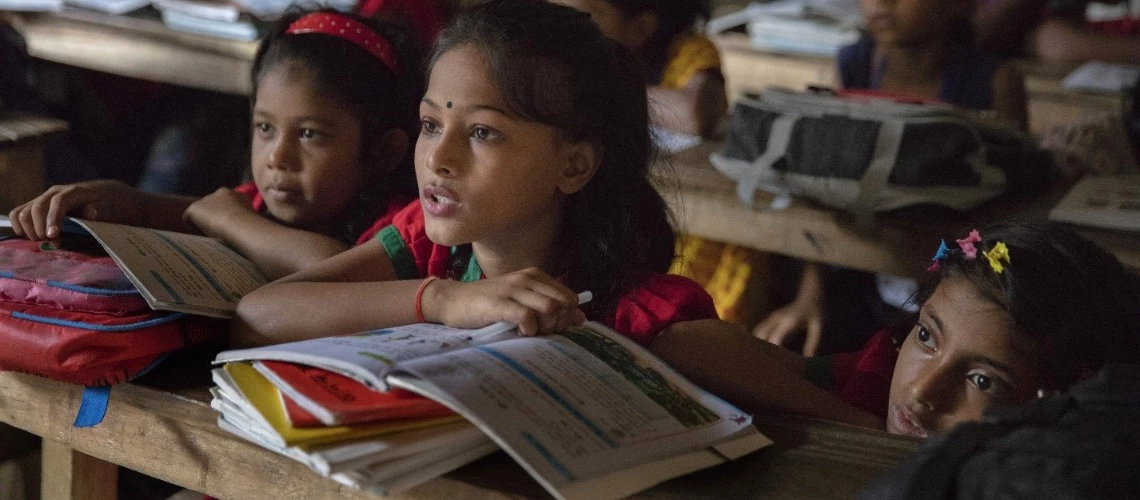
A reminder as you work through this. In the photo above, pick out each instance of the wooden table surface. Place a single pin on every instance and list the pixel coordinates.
(136, 47)
(748, 69)
(166, 429)
(901, 242)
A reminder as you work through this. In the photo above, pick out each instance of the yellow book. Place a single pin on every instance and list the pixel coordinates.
(264, 397)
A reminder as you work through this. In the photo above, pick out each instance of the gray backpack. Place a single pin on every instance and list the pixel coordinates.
(871, 154)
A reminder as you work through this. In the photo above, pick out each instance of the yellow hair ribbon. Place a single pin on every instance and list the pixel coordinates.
(997, 254)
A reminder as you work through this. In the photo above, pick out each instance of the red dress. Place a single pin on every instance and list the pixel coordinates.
(395, 203)
(861, 379)
(640, 314)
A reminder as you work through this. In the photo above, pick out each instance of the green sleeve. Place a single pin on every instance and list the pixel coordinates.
(401, 255)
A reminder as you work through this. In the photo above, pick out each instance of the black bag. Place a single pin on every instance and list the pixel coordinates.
(1083, 444)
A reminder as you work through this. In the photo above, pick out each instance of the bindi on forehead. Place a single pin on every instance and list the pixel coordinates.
(448, 104)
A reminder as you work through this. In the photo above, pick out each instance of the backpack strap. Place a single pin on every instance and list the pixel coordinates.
(93, 406)
(878, 172)
(779, 136)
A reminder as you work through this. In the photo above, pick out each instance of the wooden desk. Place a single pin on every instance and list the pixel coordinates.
(173, 435)
(750, 70)
(705, 204)
(139, 48)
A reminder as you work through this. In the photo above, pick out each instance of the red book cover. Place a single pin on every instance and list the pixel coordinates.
(323, 398)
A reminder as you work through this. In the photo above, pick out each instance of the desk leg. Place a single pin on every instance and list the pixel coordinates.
(69, 474)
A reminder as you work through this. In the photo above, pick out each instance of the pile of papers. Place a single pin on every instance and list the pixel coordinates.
(813, 27)
(219, 18)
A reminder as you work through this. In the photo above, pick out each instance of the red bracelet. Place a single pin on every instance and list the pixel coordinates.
(420, 296)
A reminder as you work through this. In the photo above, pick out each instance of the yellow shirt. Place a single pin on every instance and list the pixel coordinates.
(728, 272)
(689, 54)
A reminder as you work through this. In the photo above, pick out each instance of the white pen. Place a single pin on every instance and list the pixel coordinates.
(504, 326)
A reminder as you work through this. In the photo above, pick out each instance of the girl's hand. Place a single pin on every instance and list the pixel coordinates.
(799, 316)
(102, 200)
(529, 298)
(217, 211)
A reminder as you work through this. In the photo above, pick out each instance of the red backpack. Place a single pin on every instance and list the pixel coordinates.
(72, 315)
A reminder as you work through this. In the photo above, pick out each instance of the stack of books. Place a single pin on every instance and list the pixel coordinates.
(811, 27)
(218, 18)
(380, 441)
(588, 413)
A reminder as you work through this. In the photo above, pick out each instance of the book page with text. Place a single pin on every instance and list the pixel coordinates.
(577, 405)
(368, 357)
(177, 271)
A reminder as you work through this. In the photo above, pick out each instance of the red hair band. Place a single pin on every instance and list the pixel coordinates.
(345, 27)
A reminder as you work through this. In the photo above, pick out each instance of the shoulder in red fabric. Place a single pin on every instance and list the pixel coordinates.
(863, 378)
(249, 189)
(660, 301)
(394, 205)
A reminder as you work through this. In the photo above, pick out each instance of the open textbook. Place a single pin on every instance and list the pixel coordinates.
(588, 413)
(174, 271)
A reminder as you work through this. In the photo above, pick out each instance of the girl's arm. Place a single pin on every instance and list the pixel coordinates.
(102, 200)
(749, 372)
(355, 291)
(350, 292)
(695, 109)
(276, 249)
(1009, 94)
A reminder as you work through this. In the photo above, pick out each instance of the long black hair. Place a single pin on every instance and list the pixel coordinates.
(554, 66)
(1072, 300)
(380, 98)
(673, 18)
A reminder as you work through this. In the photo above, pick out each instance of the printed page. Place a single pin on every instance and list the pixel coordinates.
(1111, 202)
(177, 271)
(368, 357)
(577, 405)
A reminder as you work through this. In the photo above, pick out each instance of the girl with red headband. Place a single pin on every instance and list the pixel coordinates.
(1012, 311)
(334, 109)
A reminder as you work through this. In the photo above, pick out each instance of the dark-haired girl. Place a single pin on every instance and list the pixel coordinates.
(334, 110)
(1012, 312)
(532, 161)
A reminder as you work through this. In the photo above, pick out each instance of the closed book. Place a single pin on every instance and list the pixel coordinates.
(324, 398)
(246, 384)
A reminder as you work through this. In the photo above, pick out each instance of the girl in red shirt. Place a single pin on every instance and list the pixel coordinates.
(334, 116)
(533, 166)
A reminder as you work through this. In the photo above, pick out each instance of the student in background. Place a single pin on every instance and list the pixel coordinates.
(924, 48)
(532, 163)
(1012, 311)
(912, 48)
(1055, 30)
(686, 88)
(333, 120)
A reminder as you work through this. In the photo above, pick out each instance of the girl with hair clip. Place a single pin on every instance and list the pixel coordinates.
(533, 163)
(686, 88)
(334, 112)
(1012, 312)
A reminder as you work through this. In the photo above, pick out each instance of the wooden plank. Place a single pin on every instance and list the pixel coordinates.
(174, 437)
(69, 474)
(705, 204)
(750, 70)
(139, 53)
